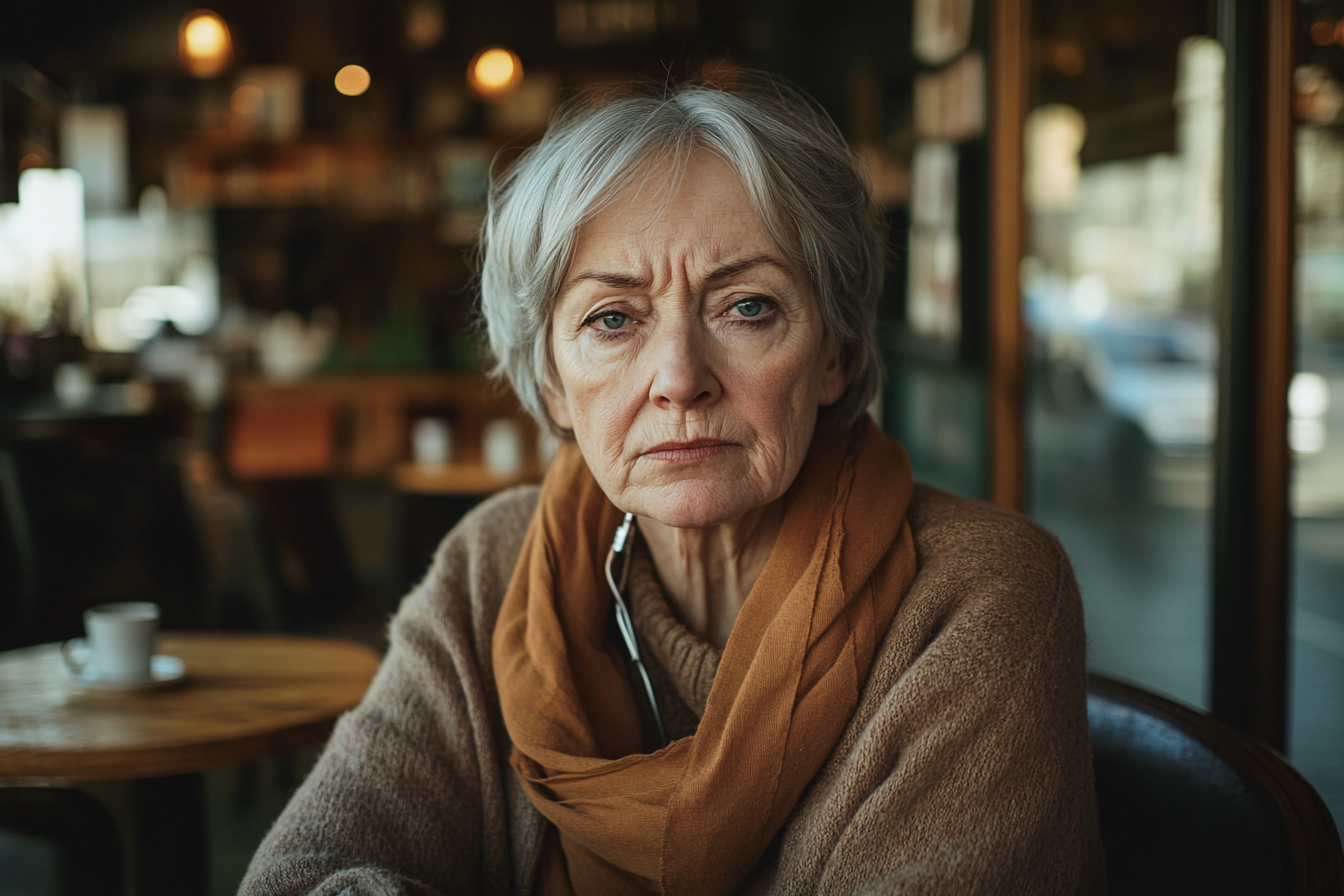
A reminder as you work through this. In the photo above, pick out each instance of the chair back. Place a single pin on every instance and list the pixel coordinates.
(1189, 805)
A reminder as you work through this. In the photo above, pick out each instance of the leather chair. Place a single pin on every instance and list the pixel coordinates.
(88, 857)
(1189, 805)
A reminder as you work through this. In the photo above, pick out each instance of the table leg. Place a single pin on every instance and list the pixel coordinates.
(170, 840)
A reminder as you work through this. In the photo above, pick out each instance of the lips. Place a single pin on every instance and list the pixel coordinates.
(686, 452)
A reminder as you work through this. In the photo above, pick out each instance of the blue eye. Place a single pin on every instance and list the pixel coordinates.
(614, 320)
(750, 307)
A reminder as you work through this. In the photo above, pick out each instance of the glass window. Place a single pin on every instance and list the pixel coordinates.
(1122, 188)
(1316, 409)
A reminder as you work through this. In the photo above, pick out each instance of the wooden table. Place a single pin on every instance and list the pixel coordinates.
(245, 698)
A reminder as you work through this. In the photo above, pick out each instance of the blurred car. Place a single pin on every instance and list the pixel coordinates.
(1154, 378)
(1160, 374)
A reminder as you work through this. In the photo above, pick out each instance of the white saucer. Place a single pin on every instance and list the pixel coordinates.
(163, 671)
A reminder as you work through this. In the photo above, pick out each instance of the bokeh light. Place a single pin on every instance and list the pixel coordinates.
(247, 99)
(206, 36)
(1309, 395)
(353, 80)
(204, 43)
(494, 73)
(425, 24)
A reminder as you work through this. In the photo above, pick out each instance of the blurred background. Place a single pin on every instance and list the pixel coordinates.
(239, 369)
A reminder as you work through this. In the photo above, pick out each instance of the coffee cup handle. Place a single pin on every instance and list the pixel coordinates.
(75, 654)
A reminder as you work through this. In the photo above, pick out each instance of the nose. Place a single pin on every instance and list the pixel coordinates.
(683, 376)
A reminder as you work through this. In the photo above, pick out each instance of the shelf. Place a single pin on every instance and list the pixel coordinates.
(359, 424)
(456, 479)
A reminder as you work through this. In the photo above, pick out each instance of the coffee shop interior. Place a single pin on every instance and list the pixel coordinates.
(241, 377)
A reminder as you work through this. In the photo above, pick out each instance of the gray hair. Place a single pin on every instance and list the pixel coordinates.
(802, 178)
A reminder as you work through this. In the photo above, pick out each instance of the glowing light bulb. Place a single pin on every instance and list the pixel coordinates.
(494, 73)
(494, 69)
(205, 36)
(353, 80)
(204, 43)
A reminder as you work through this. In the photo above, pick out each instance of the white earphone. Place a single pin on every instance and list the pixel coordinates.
(623, 544)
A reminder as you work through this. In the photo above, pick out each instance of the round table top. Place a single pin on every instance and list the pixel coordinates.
(245, 697)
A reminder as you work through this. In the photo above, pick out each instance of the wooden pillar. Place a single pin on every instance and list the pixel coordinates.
(1009, 48)
(1251, 489)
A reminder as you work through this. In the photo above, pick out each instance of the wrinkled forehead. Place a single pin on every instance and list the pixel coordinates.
(694, 194)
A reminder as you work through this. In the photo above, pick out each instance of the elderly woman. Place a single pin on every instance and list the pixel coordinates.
(729, 645)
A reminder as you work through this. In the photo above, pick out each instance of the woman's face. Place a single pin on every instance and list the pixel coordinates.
(690, 353)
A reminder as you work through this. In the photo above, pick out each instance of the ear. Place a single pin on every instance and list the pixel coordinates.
(834, 379)
(558, 407)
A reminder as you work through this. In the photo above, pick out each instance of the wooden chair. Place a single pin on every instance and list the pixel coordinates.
(1189, 805)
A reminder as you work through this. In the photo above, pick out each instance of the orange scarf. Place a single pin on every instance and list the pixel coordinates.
(695, 816)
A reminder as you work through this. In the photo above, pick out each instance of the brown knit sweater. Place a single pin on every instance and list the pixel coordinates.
(965, 768)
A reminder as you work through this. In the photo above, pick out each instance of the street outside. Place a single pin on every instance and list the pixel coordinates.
(1136, 524)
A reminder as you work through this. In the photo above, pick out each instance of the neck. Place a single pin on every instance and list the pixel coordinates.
(708, 573)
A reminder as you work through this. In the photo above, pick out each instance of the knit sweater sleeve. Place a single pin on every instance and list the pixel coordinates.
(412, 794)
(966, 768)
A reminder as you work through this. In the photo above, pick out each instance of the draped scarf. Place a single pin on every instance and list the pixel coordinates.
(695, 816)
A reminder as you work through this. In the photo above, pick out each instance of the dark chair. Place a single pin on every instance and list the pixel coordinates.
(94, 511)
(67, 825)
(18, 577)
(1189, 805)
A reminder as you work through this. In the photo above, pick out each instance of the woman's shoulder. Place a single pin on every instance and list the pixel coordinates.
(951, 530)
(983, 568)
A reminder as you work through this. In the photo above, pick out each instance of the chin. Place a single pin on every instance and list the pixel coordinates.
(696, 505)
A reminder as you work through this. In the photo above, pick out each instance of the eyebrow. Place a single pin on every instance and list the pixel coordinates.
(718, 275)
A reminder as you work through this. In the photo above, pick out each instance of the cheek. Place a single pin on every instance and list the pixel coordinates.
(791, 390)
(598, 402)
(783, 401)
(603, 424)
(578, 388)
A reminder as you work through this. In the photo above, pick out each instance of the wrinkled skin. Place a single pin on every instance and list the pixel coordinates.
(681, 322)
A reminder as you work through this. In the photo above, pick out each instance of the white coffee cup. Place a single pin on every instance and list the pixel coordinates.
(120, 642)
(432, 441)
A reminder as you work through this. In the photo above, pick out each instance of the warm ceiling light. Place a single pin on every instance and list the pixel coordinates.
(206, 36)
(353, 80)
(494, 73)
(204, 44)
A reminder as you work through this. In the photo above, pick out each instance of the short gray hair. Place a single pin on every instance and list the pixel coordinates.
(801, 176)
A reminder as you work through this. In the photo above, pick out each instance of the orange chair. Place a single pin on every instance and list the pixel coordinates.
(267, 441)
